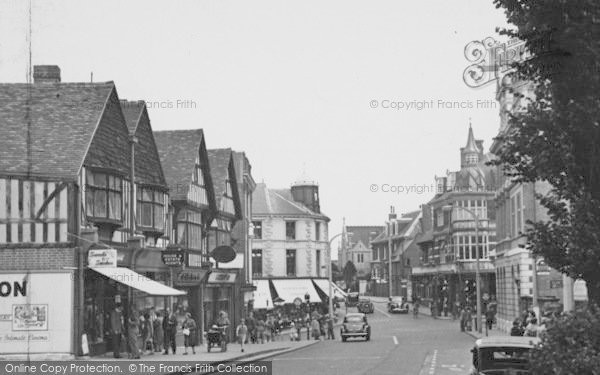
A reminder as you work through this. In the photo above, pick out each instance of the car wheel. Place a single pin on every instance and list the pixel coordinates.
(368, 338)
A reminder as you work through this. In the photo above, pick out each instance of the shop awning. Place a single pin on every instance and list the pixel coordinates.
(290, 289)
(262, 295)
(135, 280)
(323, 284)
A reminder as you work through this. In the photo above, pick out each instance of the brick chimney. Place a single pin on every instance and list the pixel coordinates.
(392, 215)
(46, 74)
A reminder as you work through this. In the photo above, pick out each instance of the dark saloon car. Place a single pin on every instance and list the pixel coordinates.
(398, 305)
(355, 325)
(502, 355)
(352, 299)
(365, 306)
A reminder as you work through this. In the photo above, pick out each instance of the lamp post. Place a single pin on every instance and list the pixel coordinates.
(449, 208)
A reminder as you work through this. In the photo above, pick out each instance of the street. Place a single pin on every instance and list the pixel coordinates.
(399, 344)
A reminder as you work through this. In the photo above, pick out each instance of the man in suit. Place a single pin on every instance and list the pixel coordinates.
(116, 327)
(170, 329)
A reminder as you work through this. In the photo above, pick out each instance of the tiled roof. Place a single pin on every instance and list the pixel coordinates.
(363, 234)
(178, 150)
(267, 201)
(58, 119)
(405, 222)
(219, 161)
(148, 169)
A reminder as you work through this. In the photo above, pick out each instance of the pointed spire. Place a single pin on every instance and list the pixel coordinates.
(471, 144)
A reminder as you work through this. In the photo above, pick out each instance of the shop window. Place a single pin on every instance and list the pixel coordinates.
(103, 196)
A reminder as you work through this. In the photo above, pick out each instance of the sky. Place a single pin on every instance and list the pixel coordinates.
(366, 98)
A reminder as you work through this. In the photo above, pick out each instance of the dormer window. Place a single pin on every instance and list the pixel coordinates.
(103, 196)
(198, 175)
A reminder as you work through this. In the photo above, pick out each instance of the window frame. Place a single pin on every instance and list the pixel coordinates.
(156, 203)
(290, 254)
(92, 188)
(256, 254)
(257, 226)
(289, 225)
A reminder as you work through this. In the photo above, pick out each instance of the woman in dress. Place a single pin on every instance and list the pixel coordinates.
(189, 333)
(133, 331)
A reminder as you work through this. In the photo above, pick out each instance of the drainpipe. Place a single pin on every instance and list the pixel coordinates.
(535, 302)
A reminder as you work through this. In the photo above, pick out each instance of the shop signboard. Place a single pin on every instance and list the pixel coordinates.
(172, 258)
(189, 277)
(219, 277)
(102, 258)
(34, 318)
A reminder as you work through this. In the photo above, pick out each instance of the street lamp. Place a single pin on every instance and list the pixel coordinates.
(449, 208)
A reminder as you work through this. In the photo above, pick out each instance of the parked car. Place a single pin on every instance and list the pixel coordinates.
(398, 305)
(365, 306)
(502, 355)
(355, 325)
(352, 299)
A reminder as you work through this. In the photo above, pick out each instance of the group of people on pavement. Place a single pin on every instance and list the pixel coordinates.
(148, 332)
(528, 324)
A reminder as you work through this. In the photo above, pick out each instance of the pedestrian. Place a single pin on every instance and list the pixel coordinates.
(251, 323)
(489, 318)
(159, 336)
(133, 331)
(463, 319)
(190, 333)
(260, 331)
(316, 329)
(116, 328)
(170, 329)
(516, 329)
(330, 334)
(241, 332)
(293, 332)
(469, 320)
(269, 329)
(307, 323)
(532, 328)
(147, 334)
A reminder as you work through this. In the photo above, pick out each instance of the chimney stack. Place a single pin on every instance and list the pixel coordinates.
(392, 214)
(46, 74)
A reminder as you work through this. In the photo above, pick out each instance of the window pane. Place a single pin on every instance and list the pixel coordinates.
(100, 180)
(114, 206)
(158, 197)
(147, 214)
(89, 202)
(158, 217)
(118, 183)
(100, 203)
(147, 195)
(111, 182)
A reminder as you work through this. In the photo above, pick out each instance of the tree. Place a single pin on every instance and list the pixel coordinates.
(336, 274)
(557, 138)
(349, 273)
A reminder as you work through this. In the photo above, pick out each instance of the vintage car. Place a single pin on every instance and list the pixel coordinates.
(398, 305)
(355, 325)
(502, 355)
(352, 299)
(365, 306)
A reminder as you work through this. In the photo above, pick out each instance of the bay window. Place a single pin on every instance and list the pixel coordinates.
(103, 196)
(150, 208)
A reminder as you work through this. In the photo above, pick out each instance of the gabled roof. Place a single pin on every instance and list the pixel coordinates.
(406, 223)
(46, 129)
(148, 168)
(471, 144)
(178, 150)
(222, 170)
(279, 202)
(363, 234)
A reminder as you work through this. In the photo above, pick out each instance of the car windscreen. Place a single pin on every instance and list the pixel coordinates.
(354, 319)
(504, 358)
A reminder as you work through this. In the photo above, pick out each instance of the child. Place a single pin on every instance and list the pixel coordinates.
(241, 332)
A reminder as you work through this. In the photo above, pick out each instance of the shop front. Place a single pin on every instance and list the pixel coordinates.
(221, 293)
(36, 314)
(107, 284)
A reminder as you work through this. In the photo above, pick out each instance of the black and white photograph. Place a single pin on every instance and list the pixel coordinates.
(300, 187)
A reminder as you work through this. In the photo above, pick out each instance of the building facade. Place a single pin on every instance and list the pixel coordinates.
(521, 278)
(453, 238)
(67, 186)
(290, 244)
(356, 248)
(399, 234)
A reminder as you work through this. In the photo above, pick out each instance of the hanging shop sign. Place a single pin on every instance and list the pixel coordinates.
(102, 258)
(172, 258)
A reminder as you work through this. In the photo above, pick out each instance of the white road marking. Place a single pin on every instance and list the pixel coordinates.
(383, 312)
(323, 358)
(433, 361)
(395, 340)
